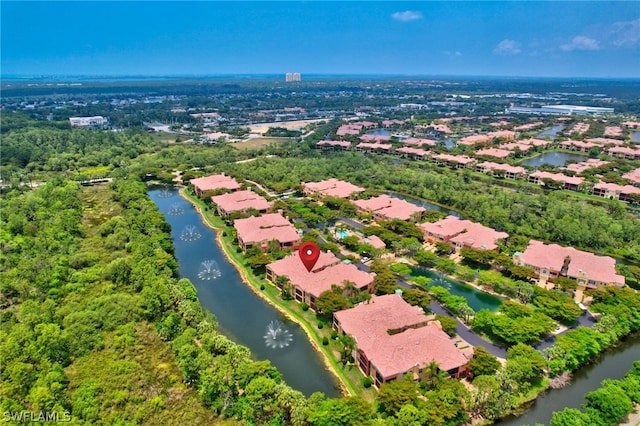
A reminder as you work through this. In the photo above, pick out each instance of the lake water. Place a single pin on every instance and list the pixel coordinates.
(422, 203)
(476, 299)
(552, 132)
(613, 364)
(242, 315)
(557, 159)
(380, 132)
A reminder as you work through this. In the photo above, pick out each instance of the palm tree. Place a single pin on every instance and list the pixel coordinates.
(433, 375)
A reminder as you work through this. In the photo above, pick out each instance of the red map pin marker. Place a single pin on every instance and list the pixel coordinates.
(309, 253)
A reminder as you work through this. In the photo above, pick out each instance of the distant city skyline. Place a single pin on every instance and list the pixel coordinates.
(508, 38)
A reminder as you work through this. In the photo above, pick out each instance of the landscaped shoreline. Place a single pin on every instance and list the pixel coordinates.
(245, 277)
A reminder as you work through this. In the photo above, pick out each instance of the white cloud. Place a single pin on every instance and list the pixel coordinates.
(407, 16)
(455, 54)
(581, 43)
(626, 34)
(507, 47)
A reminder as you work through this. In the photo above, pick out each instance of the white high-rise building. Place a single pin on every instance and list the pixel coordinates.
(293, 76)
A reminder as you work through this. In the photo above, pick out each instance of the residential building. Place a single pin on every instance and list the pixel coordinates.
(571, 183)
(419, 142)
(550, 261)
(463, 233)
(394, 338)
(374, 147)
(624, 152)
(633, 176)
(457, 161)
(240, 201)
(413, 153)
(375, 138)
(307, 286)
(578, 145)
(494, 152)
(335, 145)
(263, 229)
(332, 188)
(614, 191)
(580, 167)
(385, 207)
(213, 183)
(506, 170)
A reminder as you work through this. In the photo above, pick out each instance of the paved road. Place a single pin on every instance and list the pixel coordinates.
(585, 320)
(352, 223)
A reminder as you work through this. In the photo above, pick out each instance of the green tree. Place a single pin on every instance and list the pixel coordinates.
(483, 363)
(611, 401)
(394, 395)
(331, 301)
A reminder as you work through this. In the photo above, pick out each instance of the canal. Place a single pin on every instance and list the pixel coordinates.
(243, 316)
(552, 132)
(612, 364)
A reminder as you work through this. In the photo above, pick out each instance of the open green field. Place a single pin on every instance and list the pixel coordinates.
(257, 143)
(169, 137)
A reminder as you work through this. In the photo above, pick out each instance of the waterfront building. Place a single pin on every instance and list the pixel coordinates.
(394, 338)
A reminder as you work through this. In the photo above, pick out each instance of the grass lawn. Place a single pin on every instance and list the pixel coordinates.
(256, 143)
(169, 137)
(350, 376)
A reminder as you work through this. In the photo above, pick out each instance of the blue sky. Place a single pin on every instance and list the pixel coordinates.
(506, 38)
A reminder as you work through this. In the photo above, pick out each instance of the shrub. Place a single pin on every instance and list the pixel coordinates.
(325, 341)
(367, 382)
(320, 326)
(304, 306)
(334, 334)
(261, 286)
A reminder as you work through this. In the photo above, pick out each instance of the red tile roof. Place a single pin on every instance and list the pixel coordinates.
(633, 175)
(462, 159)
(415, 151)
(621, 189)
(375, 138)
(328, 270)
(209, 183)
(369, 324)
(382, 146)
(494, 152)
(585, 165)
(344, 144)
(419, 141)
(558, 177)
(240, 201)
(333, 188)
(464, 232)
(506, 167)
(551, 256)
(389, 207)
(265, 228)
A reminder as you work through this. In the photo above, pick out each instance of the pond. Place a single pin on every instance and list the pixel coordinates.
(242, 315)
(554, 158)
(426, 204)
(380, 132)
(552, 132)
(476, 299)
(635, 137)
